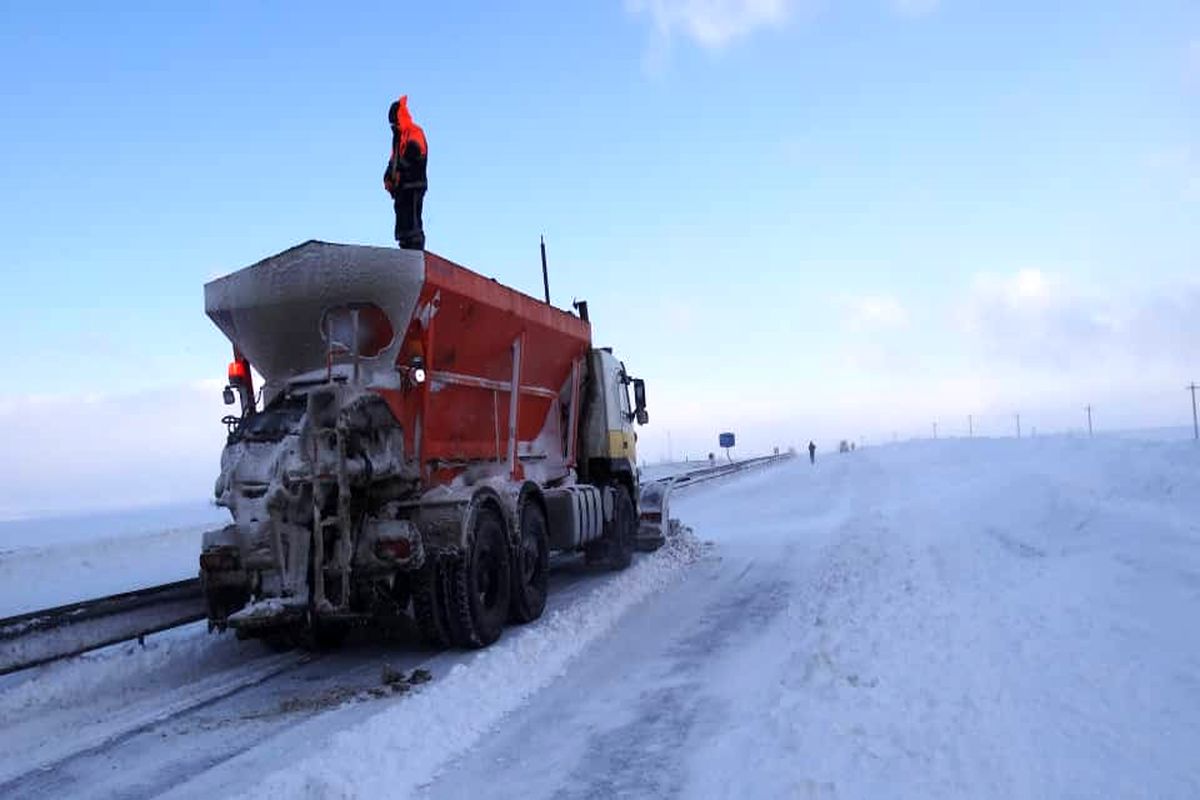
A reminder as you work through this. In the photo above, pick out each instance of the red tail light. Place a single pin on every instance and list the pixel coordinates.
(398, 549)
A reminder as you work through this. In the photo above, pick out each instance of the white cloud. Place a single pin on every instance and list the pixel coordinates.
(1026, 294)
(1032, 322)
(712, 24)
(716, 24)
(1040, 341)
(873, 312)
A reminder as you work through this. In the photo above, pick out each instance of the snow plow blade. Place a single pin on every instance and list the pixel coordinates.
(655, 515)
(655, 523)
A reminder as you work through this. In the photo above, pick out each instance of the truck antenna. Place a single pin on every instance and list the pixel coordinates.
(545, 271)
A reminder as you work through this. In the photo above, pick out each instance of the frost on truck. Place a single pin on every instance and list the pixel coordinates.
(425, 437)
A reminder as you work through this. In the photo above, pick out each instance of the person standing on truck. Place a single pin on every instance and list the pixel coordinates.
(812, 453)
(404, 178)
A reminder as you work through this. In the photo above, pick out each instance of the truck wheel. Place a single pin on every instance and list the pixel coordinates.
(481, 584)
(624, 531)
(429, 604)
(615, 549)
(531, 567)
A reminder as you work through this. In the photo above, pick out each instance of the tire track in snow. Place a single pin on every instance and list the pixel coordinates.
(641, 756)
(43, 779)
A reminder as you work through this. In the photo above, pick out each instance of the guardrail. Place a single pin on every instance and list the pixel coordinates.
(38, 637)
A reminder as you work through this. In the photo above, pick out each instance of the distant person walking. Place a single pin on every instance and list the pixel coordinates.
(404, 178)
(812, 453)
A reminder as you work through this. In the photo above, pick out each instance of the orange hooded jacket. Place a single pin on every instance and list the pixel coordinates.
(404, 133)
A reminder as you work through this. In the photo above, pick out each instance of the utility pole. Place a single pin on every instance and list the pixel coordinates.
(1195, 426)
(970, 427)
(1018, 416)
(1089, 410)
(935, 430)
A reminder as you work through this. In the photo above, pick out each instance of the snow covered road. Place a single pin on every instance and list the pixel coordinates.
(934, 619)
(945, 619)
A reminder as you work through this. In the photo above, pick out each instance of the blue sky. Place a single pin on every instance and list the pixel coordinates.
(795, 219)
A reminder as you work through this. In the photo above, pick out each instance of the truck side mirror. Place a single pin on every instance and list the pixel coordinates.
(639, 395)
(227, 396)
(643, 416)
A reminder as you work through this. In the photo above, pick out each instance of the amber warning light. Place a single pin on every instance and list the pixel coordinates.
(239, 379)
(238, 373)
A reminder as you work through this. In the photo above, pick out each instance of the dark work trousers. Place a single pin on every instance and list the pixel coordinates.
(410, 234)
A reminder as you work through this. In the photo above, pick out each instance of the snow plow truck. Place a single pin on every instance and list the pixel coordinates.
(424, 438)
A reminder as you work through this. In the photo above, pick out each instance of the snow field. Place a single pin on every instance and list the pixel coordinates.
(988, 619)
(32, 578)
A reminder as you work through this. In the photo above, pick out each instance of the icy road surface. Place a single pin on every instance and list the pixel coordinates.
(939, 619)
(945, 619)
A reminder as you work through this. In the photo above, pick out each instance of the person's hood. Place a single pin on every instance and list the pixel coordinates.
(399, 113)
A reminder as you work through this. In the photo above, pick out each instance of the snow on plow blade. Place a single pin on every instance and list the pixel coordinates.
(655, 514)
(282, 312)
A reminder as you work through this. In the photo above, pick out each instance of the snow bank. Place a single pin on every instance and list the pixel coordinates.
(394, 752)
(34, 578)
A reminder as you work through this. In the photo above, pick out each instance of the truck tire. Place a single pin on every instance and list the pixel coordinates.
(614, 550)
(429, 605)
(530, 567)
(480, 585)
